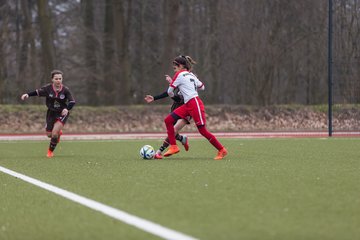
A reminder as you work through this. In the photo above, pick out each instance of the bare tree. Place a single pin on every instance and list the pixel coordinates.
(108, 61)
(90, 47)
(46, 37)
(3, 69)
(122, 50)
(248, 51)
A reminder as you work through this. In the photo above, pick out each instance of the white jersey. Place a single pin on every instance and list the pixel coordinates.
(187, 83)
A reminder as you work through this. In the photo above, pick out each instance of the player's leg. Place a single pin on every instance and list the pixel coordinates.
(169, 122)
(50, 120)
(58, 123)
(182, 138)
(180, 124)
(48, 133)
(158, 154)
(199, 116)
(55, 137)
(180, 112)
(222, 152)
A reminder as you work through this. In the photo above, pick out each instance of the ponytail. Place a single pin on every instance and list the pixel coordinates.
(190, 62)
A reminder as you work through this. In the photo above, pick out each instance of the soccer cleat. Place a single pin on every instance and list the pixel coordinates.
(172, 150)
(221, 154)
(158, 155)
(185, 142)
(50, 154)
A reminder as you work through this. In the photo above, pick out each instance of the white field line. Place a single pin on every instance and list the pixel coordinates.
(125, 217)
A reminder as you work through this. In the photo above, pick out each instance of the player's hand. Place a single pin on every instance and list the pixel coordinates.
(64, 112)
(149, 98)
(24, 96)
(168, 79)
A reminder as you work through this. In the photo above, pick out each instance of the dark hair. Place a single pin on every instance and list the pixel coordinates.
(186, 61)
(53, 72)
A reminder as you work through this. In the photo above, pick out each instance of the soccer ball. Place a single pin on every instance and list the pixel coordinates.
(147, 152)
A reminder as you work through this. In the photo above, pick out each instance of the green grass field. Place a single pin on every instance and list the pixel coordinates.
(265, 189)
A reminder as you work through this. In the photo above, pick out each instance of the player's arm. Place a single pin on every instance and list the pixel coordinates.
(41, 92)
(70, 104)
(168, 79)
(170, 90)
(66, 110)
(151, 98)
(200, 85)
(71, 99)
(29, 94)
(161, 96)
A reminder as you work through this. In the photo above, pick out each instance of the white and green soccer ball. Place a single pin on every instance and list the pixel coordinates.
(147, 152)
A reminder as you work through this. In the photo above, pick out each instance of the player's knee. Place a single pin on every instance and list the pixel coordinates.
(202, 130)
(169, 120)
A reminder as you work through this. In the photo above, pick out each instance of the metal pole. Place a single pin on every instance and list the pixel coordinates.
(330, 29)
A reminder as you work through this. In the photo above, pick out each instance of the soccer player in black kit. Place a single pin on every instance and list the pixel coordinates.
(59, 102)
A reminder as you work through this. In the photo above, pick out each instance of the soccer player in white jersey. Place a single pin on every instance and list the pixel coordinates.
(188, 85)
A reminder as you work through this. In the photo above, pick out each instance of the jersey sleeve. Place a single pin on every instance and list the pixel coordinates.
(200, 85)
(160, 96)
(173, 85)
(41, 92)
(71, 100)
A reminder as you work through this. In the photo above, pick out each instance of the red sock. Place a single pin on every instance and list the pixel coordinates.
(169, 122)
(209, 136)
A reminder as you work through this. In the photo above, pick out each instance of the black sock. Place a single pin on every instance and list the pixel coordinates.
(53, 143)
(179, 137)
(165, 145)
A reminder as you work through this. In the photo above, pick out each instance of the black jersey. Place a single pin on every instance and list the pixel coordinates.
(56, 101)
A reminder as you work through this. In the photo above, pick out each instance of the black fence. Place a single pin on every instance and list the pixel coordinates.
(343, 62)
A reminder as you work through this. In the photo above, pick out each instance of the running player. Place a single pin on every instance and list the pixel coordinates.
(59, 102)
(178, 101)
(188, 84)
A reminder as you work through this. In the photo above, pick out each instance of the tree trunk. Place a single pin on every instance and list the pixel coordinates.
(108, 93)
(171, 16)
(122, 54)
(89, 52)
(46, 37)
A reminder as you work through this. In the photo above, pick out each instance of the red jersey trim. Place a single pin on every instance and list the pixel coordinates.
(175, 76)
(56, 93)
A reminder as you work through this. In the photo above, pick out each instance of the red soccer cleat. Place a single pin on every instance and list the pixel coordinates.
(172, 150)
(158, 155)
(185, 142)
(221, 154)
(50, 154)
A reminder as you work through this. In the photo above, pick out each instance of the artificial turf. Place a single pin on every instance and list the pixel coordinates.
(305, 188)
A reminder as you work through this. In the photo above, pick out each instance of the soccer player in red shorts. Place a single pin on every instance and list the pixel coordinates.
(178, 100)
(59, 102)
(188, 84)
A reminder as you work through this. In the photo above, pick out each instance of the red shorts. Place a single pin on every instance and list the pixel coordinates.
(194, 108)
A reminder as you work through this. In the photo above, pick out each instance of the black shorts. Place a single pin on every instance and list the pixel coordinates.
(175, 105)
(53, 117)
